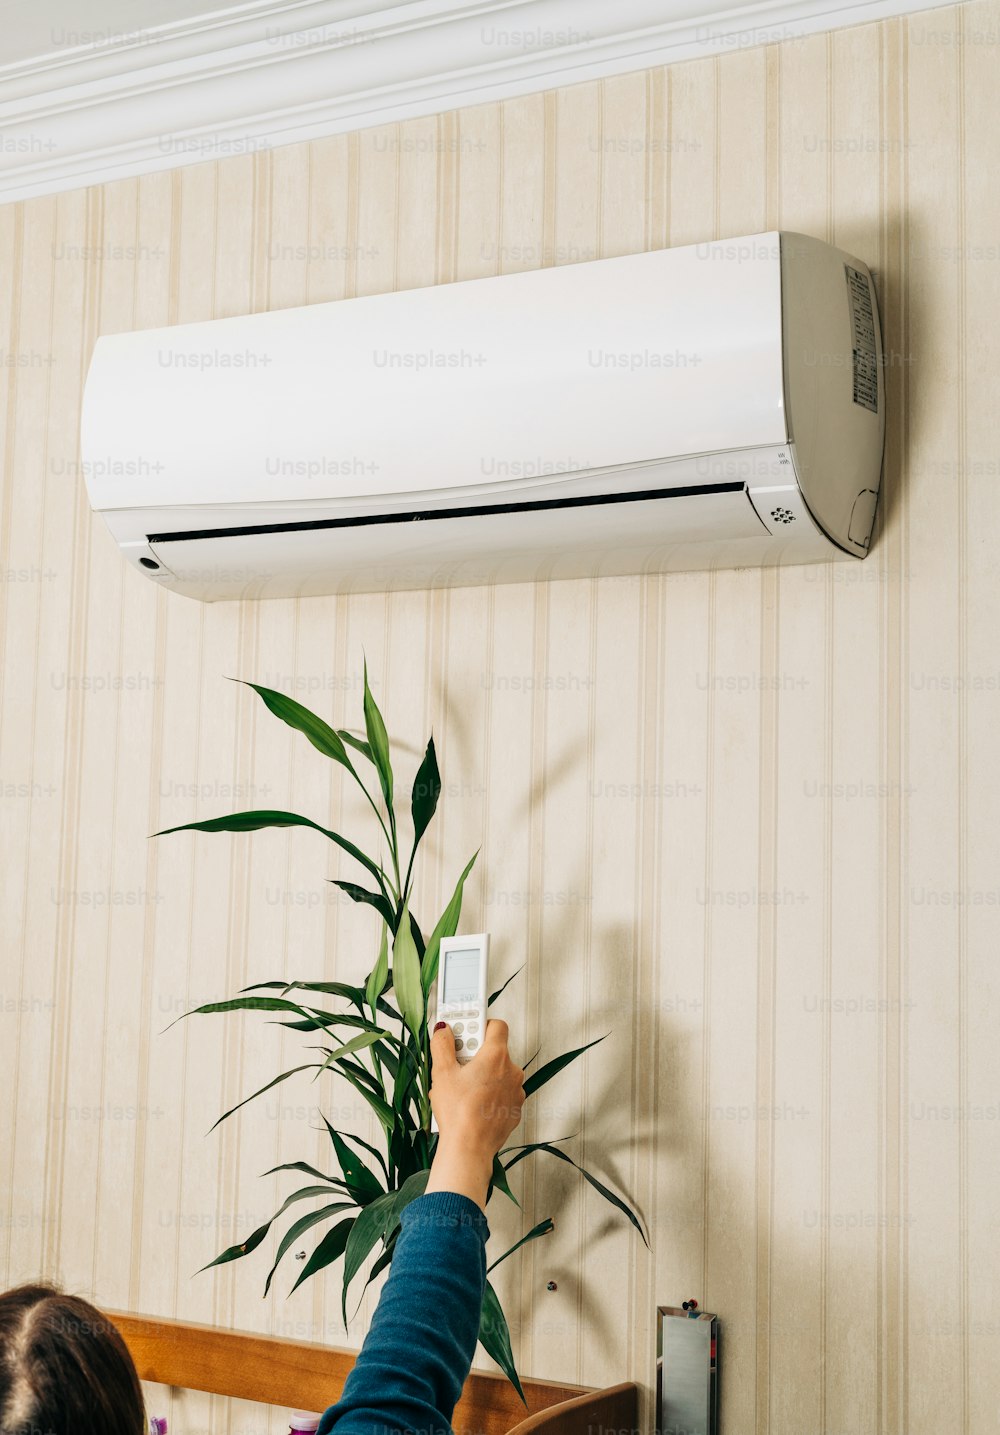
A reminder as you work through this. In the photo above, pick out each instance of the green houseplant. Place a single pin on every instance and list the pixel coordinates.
(377, 1040)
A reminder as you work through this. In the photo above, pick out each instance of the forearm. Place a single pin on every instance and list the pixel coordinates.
(462, 1167)
(418, 1352)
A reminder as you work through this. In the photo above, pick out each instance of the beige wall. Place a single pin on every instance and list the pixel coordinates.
(719, 814)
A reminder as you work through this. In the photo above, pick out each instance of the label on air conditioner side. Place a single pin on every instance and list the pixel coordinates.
(864, 356)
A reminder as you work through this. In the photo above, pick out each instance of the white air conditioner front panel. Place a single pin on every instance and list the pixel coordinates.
(571, 369)
(701, 407)
(645, 535)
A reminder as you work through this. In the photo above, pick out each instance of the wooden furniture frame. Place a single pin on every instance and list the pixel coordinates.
(307, 1376)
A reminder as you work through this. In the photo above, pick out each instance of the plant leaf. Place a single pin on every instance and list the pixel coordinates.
(426, 791)
(411, 1188)
(330, 1247)
(299, 1228)
(551, 1068)
(367, 1229)
(418, 936)
(387, 1057)
(361, 1183)
(379, 1266)
(233, 1253)
(313, 1017)
(494, 1337)
(542, 1229)
(356, 1043)
(357, 743)
(499, 1180)
(319, 733)
(337, 989)
(414, 1185)
(283, 1077)
(384, 1259)
(384, 1218)
(378, 741)
(407, 1076)
(500, 990)
(322, 1021)
(446, 927)
(597, 1185)
(380, 971)
(304, 1167)
(248, 1003)
(378, 900)
(350, 1136)
(406, 976)
(241, 1004)
(386, 1009)
(254, 821)
(378, 1104)
(363, 1075)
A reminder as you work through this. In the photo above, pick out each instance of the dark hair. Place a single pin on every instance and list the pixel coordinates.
(64, 1368)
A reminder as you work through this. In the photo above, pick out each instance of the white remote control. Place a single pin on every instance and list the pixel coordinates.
(461, 990)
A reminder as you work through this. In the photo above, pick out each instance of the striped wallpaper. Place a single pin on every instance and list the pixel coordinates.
(745, 822)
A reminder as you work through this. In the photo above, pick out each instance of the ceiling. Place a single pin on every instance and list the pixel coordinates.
(144, 85)
(34, 28)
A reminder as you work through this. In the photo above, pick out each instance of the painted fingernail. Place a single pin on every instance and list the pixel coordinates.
(439, 1024)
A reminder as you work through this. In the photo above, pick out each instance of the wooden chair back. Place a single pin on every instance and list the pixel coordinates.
(306, 1376)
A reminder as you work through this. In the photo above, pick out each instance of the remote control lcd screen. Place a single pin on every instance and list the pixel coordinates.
(461, 976)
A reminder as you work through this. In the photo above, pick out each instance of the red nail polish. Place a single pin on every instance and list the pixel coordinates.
(439, 1024)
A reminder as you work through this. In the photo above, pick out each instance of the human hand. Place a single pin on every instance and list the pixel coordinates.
(477, 1105)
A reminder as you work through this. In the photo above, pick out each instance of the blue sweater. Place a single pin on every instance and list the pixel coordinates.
(419, 1349)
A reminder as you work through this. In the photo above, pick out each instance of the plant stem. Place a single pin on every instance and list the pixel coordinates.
(395, 848)
(390, 837)
(409, 873)
(375, 1057)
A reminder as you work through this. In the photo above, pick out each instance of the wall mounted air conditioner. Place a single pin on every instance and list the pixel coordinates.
(714, 406)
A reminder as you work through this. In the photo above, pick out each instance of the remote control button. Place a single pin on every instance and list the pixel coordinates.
(473, 1026)
(458, 1028)
(471, 1044)
(459, 1044)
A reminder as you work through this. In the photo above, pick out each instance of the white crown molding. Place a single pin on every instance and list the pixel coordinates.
(273, 72)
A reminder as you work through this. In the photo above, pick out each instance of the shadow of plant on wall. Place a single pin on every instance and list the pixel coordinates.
(379, 1046)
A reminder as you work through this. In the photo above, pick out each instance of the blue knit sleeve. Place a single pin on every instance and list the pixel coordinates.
(419, 1349)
